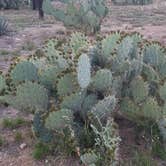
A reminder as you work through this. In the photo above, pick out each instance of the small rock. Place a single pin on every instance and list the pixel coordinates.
(46, 161)
(23, 146)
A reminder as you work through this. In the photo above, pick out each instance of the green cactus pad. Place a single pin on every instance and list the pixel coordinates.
(129, 108)
(102, 81)
(2, 83)
(67, 85)
(89, 158)
(109, 44)
(24, 71)
(30, 96)
(139, 89)
(162, 92)
(151, 110)
(84, 71)
(73, 102)
(58, 120)
(78, 43)
(49, 76)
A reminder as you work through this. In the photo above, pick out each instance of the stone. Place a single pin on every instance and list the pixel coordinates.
(23, 146)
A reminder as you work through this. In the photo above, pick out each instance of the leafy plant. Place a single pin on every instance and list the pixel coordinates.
(40, 151)
(1, 141)
(141, 159)
(13, 123)
(106, 142)
(3, 26)
(18, 137)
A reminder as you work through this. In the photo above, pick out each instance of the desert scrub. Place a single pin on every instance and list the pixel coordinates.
(75, 85)
(4, 52)
(141, 159)
(1, 141)
(28, 46)
(13, 123)
(40, 151)
(18, 137)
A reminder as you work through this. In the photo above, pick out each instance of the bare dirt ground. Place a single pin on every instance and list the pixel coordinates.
(28, 33)
(149, 20)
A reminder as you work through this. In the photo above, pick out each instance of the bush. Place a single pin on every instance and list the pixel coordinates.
(40, 151)
(13, 123)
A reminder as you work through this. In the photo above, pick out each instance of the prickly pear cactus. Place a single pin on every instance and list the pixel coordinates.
(78, 43)
(2, 84)
(58, 120)
(39, 129)
(49, 76)
(84, 71)
(75, 87)
(67, 85)
(89, 158)
(139, 89)
(29, 97)
(162, 92)
(110, 43)
(102, 81)
(154, 55)
(24, 71)
(80, 14)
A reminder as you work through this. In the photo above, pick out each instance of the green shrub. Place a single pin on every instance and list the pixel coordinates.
(13, 123)
(158, 150)
(18, 137)
(40, 151)
(1, 141)
(142, 159)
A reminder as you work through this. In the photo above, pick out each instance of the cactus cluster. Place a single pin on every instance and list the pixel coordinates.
(77, 92)
(86, 14)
